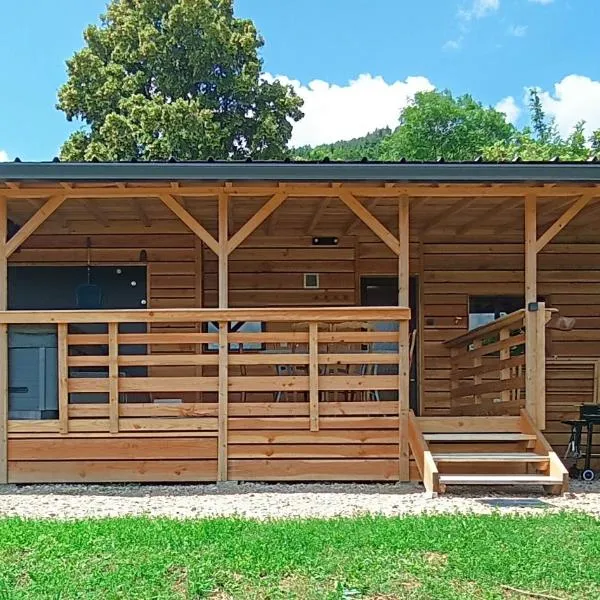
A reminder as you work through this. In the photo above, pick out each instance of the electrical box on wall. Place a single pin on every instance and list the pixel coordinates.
(311, 281)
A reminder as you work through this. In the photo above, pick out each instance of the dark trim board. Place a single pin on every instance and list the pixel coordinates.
(474, 172)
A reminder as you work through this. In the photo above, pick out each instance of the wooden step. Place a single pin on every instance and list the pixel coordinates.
(514, 457)
(499, 480)
(478, 437)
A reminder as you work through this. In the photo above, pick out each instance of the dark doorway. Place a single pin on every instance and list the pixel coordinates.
(383, 291)
(120, 287)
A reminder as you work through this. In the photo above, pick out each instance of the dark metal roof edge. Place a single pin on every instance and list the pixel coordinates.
(303, 171)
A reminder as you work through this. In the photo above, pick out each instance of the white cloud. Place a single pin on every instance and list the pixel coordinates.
(333, 112)
(479, 9)
(575, 98)
(542, 1)
(509, 107)
(453, 44)
(517, 30)
(3, 156)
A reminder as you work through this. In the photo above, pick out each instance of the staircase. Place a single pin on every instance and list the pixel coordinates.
(494, 451)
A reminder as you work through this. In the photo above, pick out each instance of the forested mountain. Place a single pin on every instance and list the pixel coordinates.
(367, 146)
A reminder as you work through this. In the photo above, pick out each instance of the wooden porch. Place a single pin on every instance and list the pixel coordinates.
(304, 396)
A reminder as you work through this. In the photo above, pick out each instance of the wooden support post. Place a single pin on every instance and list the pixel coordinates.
(540, 366)
(403, 337)
(223, 253)
(3, 346)
(222, 466)
(113, 377)
(313, 375)
(199, 297)
(223, 393)
(531, 350)
(63, 377)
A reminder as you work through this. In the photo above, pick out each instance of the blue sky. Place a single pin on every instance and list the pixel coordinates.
(356, 62)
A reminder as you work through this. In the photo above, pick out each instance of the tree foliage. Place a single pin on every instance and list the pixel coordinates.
(174, 78)
(438, 125)
(368, 146)
(542, 141)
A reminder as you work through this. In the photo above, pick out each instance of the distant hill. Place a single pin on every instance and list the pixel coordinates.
(367, 146)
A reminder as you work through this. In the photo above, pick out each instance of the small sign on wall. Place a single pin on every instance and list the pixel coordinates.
(311, 281)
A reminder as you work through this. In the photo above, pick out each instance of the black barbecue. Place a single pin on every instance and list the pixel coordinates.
(589, 415)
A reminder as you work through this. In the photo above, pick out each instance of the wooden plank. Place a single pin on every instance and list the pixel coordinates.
(562, 221)
(370, 221)
(223, 381)
(314, 470)
(531, 357)
(34, 222)
(540, 370)
(3, 345)
(222, 253)
(512, 319)
(313, 376)
(146, 384)
(403, 337)
(468, 424)
(171, 203)
(478, 437)
(112, 471)
(338, 422)
(292, 451)
(330, 436)
(190, 315)
(256, 220)
(63, 377)
(113, 377)
(121, 448)
(321, 208)
(468, 355)
(312, 190)
(237, 409)
(493, 366)
(478, 389)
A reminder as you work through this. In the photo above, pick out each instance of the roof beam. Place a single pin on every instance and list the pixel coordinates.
(34, 222)
(98, 214)
(141, 214)
(256, 220)
(370, 221)
(171, 203)
(562, 222)
(322, 206)
(302, 190)
(457, 207)
(491, 212)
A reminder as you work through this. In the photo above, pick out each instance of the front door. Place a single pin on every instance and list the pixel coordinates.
(383, 291)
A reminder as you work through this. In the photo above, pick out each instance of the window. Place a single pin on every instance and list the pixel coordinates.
(242, 327)
(485, 309)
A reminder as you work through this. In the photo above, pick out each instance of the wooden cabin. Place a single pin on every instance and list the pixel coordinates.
(215, 321)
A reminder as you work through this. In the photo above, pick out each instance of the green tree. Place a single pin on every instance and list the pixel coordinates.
(367, 146)
(438, 125)
(541, 141)
(174, 78)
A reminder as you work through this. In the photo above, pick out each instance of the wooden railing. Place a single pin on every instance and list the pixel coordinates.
(488, 365)
(167, 371)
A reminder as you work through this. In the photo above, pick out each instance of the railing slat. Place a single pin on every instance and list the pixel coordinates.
(63, 377)
(313, 373)
(113, 376)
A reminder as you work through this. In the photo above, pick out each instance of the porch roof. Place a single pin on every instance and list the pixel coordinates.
(438, 172)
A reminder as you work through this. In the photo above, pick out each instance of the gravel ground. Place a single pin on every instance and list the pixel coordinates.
(277, 501)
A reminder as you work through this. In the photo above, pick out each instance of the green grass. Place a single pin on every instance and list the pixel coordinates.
(437, 557)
